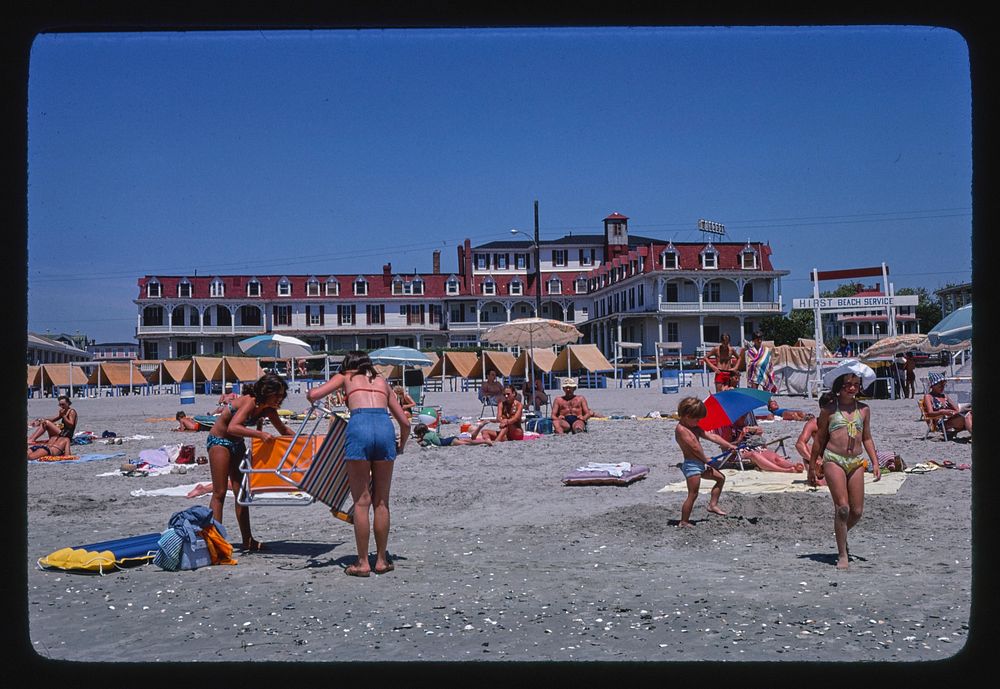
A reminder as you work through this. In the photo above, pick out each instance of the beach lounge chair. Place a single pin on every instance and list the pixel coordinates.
(934, 425)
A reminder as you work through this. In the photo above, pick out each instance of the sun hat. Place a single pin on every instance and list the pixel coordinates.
(934, 378)
(569, 382)
(229, 386)
(854, 366)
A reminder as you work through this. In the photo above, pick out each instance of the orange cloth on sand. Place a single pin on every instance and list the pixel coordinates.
(58, 458)
(219, 548)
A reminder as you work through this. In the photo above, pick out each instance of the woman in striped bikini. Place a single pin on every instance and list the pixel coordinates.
(843, 430)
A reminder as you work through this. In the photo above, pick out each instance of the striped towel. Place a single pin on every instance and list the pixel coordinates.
(326, 479)
(168, 557)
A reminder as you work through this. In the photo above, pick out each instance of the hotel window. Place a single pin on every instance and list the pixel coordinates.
(375, 314)
(581, 285)
(345, 314)
(516, 289)
(397, 285)
(282, 315)
(559, 257)
(217, 288)
(554, 286)
(284, 288)
(152, 315)
(417, 286)
(670, 293)
(710, 259)
(748, 293)
(332, 287)
(451, 287)
(374, 342)
(502, 260)
(184, 290)
(642, 299)
(360, 286)
(253, 288)
(748, 259)
(314, 315)
(489, 287)
(570, 313)
(673, 331)
(482, 261)
(521, 261)
(587, 257)
(153, 289)
(712, 292)
(312, 288)
(249, 315)
(434, 313)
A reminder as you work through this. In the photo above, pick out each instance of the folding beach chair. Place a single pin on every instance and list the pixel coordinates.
(310, 462)
(934, 425)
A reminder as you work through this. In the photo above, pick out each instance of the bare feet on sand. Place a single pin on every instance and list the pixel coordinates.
(684, 524)
(842, 562)
(714, 509)
(200, 489)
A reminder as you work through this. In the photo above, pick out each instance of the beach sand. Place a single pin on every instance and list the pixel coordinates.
(497, 560)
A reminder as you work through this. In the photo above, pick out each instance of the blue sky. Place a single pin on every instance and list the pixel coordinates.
(335, 151)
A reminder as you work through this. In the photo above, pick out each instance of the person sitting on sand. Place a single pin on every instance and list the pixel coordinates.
(53, 447)
(492, 389)
(426, 437)
(509, 416)
(570, 412)
(939, 406)
(688, 435)
(227, 397)
(405, 401)
(62, 425)
(186, 423)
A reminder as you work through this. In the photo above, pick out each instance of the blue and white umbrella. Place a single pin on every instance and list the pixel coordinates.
(277, 346)
(954, 329)
(399, 356)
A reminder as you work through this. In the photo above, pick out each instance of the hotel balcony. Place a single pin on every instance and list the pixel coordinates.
(720, 307)
(199, 330)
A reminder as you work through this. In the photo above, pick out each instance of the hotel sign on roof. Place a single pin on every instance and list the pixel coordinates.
(855, 303)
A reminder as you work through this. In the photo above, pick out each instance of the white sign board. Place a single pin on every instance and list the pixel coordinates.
(855, 303)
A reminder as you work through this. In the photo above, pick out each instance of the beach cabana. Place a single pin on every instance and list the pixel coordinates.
(543, 359)
(503, 362)
(118, 376)
(154, 372)
(241, 369)
(179, 370)
(586, 362)
(34, 378)
(61, 378)
(207, 370)
(453, 365)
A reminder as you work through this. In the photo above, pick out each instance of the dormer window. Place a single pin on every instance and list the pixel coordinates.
(417, 286)
(748, 258)
(253, 288)
(154, 289)
(451, 286)
(312, 287)
(709, 258)
(489, 286)
(284, 288)
(332, 287)
(184, 289)
(360, 286)
(217, 288)
(580, 284)
(554, 286)
(397, 285)
(516, 287)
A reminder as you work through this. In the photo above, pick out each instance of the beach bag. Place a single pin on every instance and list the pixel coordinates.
(186, 455)
(183, 544)
(541, 425)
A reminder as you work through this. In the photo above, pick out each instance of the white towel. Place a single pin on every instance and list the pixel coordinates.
(611, 469)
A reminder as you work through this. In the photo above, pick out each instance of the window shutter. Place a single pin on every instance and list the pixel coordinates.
(321, 314)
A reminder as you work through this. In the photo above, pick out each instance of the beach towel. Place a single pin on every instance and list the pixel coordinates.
(79, 458)
(760, 367)
(326, 479)
(779, 482)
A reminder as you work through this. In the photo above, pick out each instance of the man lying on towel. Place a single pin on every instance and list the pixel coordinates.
(570, 412)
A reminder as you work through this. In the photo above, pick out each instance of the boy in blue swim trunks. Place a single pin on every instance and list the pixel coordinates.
(688, 435)
(426, 436)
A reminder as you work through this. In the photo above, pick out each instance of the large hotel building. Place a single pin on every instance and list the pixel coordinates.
(615, 287)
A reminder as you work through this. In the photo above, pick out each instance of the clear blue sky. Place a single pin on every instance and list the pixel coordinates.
(334, 151)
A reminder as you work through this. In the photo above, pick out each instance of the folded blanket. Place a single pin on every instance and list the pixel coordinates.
(616, 469)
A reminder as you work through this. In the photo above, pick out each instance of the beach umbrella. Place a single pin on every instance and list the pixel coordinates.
(726, 407)
(399, 356)
(854, 366)
(532, 332)
(956, 327)
(895, 344)
(278, 346)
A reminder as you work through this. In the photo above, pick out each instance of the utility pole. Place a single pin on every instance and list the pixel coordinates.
(538, 268)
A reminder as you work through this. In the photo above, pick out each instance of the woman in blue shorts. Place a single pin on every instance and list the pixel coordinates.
(370, 450)
(240, 419)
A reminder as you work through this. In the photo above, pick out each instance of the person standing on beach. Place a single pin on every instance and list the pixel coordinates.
(688, 435)
(227, 447)
(370, 451)
(725, 364)
(756, 360)
(843, 429)
(62, 425)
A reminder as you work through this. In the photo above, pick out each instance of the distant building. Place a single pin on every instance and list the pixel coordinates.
(862, 329)
(954, 297)
(114, 351)
(613, 286)
(46, 349)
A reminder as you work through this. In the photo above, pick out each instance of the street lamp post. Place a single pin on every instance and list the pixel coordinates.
(538, 264)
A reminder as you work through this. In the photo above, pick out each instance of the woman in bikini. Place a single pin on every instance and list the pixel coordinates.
(370, 451)
(227, 447)
(62, 425)
(53, 447)
(843, 430)
(508, 416)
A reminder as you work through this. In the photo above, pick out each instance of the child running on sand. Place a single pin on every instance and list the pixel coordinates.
(688, 435)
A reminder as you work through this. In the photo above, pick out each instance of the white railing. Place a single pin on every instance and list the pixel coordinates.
(719, 306)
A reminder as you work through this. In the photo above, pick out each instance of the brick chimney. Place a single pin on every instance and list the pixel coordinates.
(436, 262)
(387, 274)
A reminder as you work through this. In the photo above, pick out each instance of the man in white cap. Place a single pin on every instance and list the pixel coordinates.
(570, 412)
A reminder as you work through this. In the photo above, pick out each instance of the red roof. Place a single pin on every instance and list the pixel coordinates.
(235, 286)
(617, 216)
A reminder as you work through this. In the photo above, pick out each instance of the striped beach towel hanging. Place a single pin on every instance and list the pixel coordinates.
(326, 479)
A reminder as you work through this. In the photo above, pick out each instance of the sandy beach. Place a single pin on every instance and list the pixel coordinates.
(497, 560)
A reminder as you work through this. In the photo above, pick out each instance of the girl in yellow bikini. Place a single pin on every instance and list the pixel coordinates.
(843, 430)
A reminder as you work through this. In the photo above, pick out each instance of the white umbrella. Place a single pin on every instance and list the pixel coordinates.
(277, 346)
(953, 329)
(894, 344)
(399, 356)
(528, 332)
